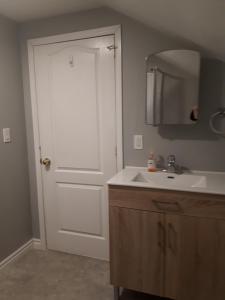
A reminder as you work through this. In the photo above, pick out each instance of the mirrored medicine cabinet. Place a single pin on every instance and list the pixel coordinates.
(172, 87)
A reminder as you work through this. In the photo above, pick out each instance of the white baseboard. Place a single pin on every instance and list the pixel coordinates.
(37, 244)
(28, 245)
(33, 243)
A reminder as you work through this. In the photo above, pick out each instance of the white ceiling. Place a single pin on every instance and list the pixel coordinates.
(200, 21)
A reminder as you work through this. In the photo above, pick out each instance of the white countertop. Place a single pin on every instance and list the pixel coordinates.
(214, 181)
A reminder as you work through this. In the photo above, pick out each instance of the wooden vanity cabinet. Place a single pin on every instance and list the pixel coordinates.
(136, 262)
(195, 258)
(168, 243)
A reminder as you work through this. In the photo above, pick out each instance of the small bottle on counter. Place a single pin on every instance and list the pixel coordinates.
(151, 164)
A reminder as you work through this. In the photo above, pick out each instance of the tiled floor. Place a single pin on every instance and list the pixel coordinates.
(49, 275)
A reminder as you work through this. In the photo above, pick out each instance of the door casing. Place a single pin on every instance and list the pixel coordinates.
(116, 31)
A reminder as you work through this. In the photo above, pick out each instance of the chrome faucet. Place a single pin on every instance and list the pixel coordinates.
(172, 167)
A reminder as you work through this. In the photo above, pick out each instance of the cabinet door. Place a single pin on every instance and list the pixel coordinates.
(195, 258)
(137, 240)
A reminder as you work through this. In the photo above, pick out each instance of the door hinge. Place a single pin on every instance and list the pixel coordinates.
(111, 47)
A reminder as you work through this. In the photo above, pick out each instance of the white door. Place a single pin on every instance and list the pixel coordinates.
(75, 88)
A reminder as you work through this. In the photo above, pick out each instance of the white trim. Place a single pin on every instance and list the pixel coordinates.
(16, 254)
(37, 245)
(75, 35)
(31, 244)
(119, 97)
(116, 31)
(36, 144)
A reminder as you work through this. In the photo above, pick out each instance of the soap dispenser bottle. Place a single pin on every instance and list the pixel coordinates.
(151, 164)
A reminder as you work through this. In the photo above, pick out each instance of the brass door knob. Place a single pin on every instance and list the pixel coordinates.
(46, 162)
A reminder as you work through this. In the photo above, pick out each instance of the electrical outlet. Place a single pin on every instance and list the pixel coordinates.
(138, 142)
(6, 135)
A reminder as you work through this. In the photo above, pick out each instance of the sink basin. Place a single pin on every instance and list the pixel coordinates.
(171, 180)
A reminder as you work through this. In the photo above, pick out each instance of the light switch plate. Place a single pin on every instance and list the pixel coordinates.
(6, 135)
(138, 142)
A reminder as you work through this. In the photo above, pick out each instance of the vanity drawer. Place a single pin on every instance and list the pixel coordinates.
(175, 202)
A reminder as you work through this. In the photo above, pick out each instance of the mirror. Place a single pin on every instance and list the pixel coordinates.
(172, 87)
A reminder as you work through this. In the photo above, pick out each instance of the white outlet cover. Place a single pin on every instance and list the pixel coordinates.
(138, 142)
(6, 135)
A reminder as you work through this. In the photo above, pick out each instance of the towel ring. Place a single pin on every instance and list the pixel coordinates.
(219, 113)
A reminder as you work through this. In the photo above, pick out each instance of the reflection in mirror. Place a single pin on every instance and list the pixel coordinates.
(172, 87)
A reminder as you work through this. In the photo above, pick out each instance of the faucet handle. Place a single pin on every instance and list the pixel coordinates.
(171, 158)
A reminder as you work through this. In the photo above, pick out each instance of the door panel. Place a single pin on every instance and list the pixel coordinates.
(195, 262)
(137, 250)
(80, 208)
(75, 87)
(75, 106)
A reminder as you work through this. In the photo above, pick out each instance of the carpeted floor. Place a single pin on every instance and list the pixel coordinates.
(49, 275)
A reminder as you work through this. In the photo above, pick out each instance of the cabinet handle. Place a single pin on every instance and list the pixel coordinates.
(167, 206)
(172, 238)
(161, 236)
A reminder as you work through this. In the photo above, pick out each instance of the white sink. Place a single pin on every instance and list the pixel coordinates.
(171, 180)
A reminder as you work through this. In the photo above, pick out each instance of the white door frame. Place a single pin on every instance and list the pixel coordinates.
(116, 31)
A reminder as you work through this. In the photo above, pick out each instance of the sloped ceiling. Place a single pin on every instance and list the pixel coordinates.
(199, 21)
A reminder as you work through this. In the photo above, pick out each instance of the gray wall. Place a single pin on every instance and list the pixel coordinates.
(15, 217)
(195, 147)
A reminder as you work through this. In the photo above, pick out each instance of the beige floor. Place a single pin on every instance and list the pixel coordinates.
(49, 275)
